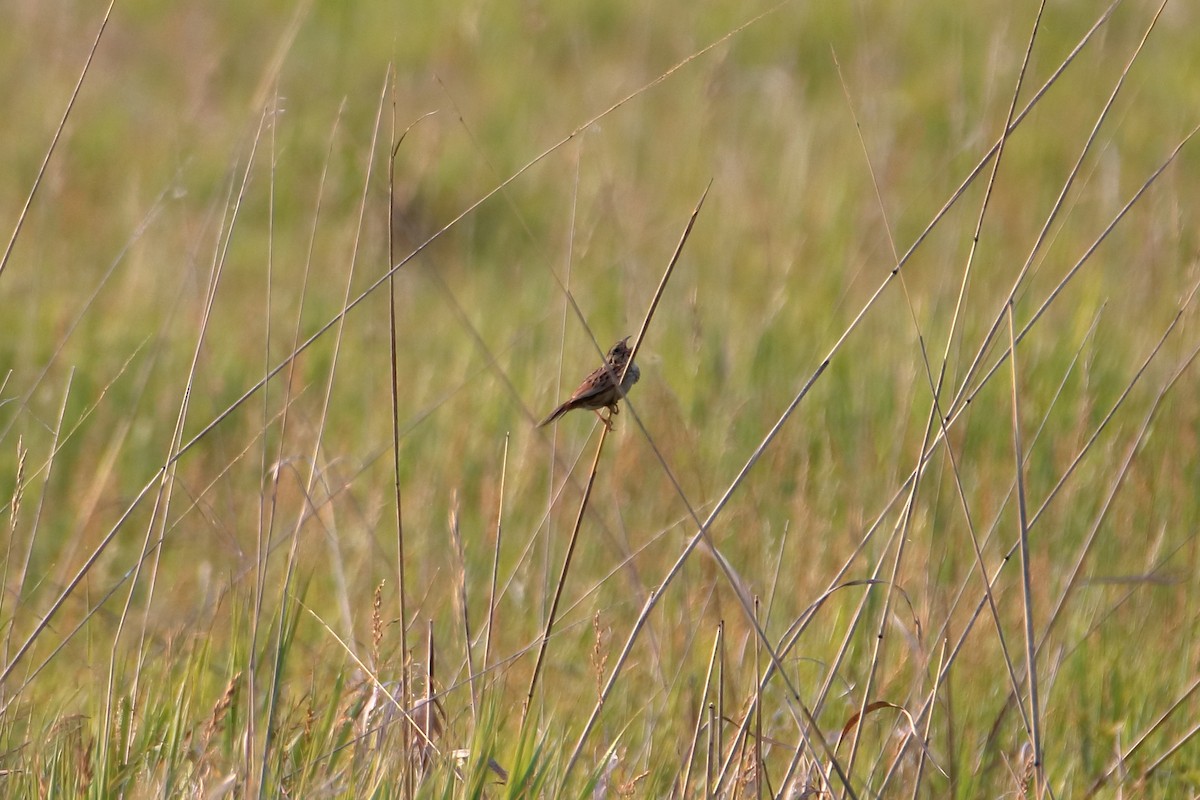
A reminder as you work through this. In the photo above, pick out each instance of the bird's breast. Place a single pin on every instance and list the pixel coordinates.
(632, 376)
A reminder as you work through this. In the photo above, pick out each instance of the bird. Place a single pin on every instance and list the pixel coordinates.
(599, 390)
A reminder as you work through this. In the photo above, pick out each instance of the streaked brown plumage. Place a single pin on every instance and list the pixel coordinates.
(599, 390)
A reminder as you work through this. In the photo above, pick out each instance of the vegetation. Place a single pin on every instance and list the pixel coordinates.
(270, 455)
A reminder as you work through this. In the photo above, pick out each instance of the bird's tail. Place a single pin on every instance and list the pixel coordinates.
(555, 414)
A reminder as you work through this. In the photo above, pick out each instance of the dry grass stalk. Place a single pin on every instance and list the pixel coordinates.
(377, 623)
(599, 653)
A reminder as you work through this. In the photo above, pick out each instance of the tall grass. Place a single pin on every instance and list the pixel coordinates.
(905, 503)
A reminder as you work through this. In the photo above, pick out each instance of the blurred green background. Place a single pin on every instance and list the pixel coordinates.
(256, 137)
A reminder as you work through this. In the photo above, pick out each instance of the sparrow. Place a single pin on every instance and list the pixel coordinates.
(599, 390)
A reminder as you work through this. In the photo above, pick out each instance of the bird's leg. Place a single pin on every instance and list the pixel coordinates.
(607, 421)
(613, 410)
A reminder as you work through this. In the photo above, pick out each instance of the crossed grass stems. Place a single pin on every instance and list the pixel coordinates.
(833, 772)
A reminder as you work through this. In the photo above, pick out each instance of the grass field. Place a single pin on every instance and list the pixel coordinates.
(268, 450)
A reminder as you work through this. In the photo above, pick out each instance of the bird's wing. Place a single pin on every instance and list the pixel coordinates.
(593, 385)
